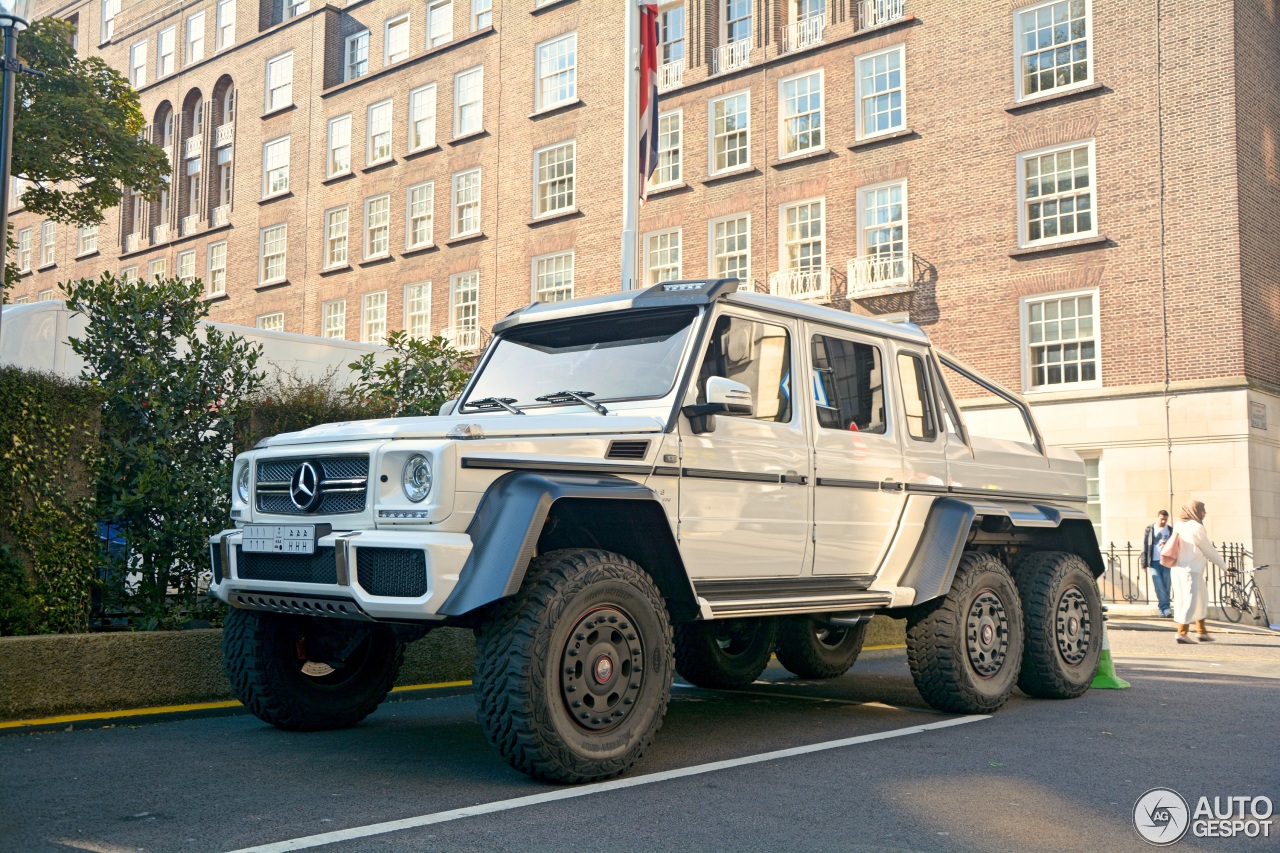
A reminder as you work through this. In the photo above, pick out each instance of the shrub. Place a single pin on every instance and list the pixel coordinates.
(289, 403)
(417, 379)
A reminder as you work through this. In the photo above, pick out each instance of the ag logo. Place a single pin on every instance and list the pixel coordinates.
(1161, 816)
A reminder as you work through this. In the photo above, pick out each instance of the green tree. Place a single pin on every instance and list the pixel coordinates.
(417, 379)
(175, 391)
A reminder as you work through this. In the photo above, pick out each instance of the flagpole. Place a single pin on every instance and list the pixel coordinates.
(631, 145)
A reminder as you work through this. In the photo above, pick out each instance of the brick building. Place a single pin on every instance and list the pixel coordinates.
(1031, 182)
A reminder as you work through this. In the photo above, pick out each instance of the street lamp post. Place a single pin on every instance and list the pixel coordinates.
(15, 16)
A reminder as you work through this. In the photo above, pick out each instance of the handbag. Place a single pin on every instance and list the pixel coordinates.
(1169, 550)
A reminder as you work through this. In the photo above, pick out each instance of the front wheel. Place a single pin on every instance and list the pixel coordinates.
(724, 653)
(573, 673)
(1063, 614)
(1232, 607)
(812, 648)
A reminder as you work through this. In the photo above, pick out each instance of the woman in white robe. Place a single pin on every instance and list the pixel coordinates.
(1190, 596)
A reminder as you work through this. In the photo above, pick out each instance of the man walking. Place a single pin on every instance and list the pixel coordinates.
(1152, 539)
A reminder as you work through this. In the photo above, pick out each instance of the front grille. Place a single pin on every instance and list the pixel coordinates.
(396, 572)
(627, 450)
(287, 568)
(344, 484)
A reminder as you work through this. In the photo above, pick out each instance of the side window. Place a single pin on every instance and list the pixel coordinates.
(759, 356)
(848, 385)
(922, 423)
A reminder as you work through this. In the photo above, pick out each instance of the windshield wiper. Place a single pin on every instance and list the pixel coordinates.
(580, 396)
(495, 403)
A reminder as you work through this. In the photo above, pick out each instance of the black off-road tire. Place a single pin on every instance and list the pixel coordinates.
(724, 653)
(956, 666)
(540, 666)
(811, 648)
(261, 655)
(1062, 612)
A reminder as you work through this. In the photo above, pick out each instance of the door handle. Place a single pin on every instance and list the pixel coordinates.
(793, 477)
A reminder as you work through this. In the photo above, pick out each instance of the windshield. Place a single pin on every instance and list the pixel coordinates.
(620, 356)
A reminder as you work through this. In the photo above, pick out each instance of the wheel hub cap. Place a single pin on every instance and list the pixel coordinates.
(987, 632)
(1073, 628)
(601, 669)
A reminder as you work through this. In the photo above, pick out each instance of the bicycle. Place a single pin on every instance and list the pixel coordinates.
(1240, 596)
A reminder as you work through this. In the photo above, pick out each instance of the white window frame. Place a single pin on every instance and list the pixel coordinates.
(48, 243)
(678, 159)
(723, 14)
(711, 134)
(45, 295)
(539, 184)
(333, 310)
(783, 118)
(86, 240)
(649, 277)
(338, 121)
(330, 238)
(268, 322)
(284, 254)
(1024, 322)
(863, 225)
(270, 105)
(388, 131)
(666, 44)
(369, 306)
(369, 252)
(544, 77)
(422, 109)
(458, 103)
(543, 259)
(186, 268)
(387, 57)
(163, 68)
(860, 90)
(212, 285)
(23, 259)
(713, 256)
(138, 64)
(481, 14)
(454, 304)
(129, 273)
(412, 292)
(1023, 157)
(225, 24)
(428, 187)
(1018, 52)
(454, 217)
(275, 148)
(157, 267)
(110, 11)
(784, 259)
(194, 49)
(355, 42)
(439, 10)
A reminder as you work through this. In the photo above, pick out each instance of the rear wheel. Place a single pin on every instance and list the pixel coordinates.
(724, 653)
(813, 648)
(1063, 615)
(1260, 607)
(1232, 607)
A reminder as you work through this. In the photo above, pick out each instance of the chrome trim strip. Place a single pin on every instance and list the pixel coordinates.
(342, 556)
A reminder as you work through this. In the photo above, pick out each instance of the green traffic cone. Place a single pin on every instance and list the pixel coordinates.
(1106, 677)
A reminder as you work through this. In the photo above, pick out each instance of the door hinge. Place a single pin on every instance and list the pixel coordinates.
(678, 531)
(813, 533)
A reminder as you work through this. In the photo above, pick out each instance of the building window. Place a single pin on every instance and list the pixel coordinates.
(553, 278)
(466, 203)
(670, 134)
(417, 310)
(357, 54)
(1093, 492)
(422, 118)
(226, 23)
(464, 292)
(1056, 194)
(279, 82)
(662, 256)
(48, 242)
(339, 145)
(110, 8)
(195, 38)
(557, 71)
(731, 248)
(481, 14)
(377, 227)
(157, 268)
(24, 250)
(166, 45)
(395, 40)
(275, 167)
(671, 34)
(439, 23)
(373, 325)
(273, 322)
(86, 239)
(881, 108)
(187, 266)
(800, 99)
(737, 21)
(804, 237)
(216, 281)
(553, 179)
(138, 65)
(882, 237)
(294, 8)
(1052, 45)
(129, 274)
(730, 128)
(1061, 339)
(335, 237)
(45, 295)
(333, 319)
(273, 253)
(468, 97)
(419, 215)
(379, 142)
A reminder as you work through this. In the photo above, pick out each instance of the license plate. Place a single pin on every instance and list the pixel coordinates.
(279, 538)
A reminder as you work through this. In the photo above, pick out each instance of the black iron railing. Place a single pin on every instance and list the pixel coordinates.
(1126, 582)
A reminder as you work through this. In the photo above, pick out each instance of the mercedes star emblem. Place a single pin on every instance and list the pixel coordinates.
(304, 487)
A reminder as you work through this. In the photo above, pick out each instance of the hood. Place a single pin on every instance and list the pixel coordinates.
(494, 426)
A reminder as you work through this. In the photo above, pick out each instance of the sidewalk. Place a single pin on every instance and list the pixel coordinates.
(1143, 622)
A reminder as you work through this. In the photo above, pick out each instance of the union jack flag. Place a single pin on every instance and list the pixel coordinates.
(648, 95)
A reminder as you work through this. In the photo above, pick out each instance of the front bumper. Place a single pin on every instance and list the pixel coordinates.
(403, 575)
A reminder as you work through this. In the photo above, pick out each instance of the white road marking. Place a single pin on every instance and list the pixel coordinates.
(310, 841)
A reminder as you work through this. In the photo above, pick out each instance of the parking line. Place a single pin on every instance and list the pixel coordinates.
(311, 841)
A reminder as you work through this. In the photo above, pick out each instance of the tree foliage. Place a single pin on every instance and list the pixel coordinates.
(417, 379)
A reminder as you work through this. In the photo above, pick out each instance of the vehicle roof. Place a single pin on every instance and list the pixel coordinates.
(706, 292)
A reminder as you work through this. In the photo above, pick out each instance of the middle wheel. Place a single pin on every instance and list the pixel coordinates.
(724, 653)
(812, 648)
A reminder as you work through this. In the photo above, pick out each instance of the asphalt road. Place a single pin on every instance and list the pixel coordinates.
(1038, 775)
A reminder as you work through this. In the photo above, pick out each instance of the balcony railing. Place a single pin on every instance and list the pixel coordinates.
(160, 234)
(221, 216)
(132, 242)
(806, 33)
(876, 275)
(192, 145)
(464, 338)
(730, 57)
(812, 284)
(190, 225)
(875, 13)
(223, 135)
(670, 75)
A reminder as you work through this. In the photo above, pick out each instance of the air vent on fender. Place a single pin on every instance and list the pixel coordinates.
(627, 450)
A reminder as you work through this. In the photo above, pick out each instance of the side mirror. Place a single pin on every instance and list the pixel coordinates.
(724, 397)
(448, 407)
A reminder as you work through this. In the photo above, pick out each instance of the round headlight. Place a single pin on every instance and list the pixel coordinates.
(242, 484)
(417, 478)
